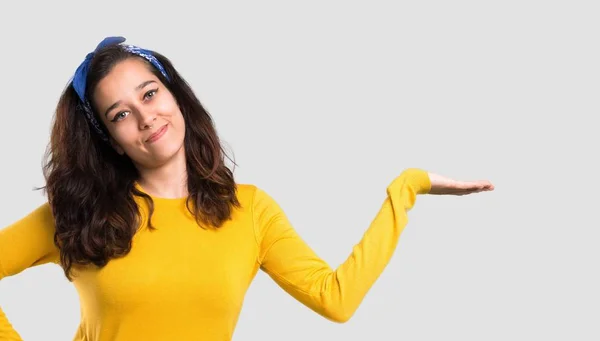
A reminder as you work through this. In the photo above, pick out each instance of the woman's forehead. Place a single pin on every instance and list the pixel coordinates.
(126, 76)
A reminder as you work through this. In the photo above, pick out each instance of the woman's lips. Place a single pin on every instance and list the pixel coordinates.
(158, 134)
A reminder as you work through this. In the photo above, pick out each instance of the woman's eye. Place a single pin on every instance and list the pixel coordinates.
(150, 93)
(119, 116)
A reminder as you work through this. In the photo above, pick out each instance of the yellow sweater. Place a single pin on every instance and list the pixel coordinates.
(182, 282)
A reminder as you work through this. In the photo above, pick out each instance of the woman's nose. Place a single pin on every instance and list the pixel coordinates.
(147, 121)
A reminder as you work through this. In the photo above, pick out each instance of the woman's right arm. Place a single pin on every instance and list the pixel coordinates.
(26, 243)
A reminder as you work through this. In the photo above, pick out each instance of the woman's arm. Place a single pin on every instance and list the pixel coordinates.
(335, 294)
(23, 244)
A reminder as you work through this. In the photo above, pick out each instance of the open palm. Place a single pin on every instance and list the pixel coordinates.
(442, 185)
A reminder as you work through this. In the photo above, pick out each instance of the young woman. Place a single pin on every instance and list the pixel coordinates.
(150, 226)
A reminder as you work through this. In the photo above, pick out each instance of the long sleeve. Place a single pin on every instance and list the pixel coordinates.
(294, 266)
(26, 243)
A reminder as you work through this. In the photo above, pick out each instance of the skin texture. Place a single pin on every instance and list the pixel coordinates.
(144, 106)
(442, 185)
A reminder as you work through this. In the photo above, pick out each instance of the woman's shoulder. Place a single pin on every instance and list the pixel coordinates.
(246, 191)
(257, 198)
(252, 195)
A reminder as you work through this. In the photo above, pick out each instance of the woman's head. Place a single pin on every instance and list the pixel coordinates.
(106, 130)
(137, 109)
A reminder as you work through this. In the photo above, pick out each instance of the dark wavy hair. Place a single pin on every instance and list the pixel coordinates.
(91, 188)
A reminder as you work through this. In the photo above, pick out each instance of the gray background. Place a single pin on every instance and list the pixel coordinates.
(323, 103)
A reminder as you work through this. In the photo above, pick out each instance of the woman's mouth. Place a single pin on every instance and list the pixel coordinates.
(158, 134)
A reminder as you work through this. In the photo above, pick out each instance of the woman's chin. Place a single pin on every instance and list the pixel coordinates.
(159, 156)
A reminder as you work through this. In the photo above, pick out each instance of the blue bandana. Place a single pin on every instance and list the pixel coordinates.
(80, 77)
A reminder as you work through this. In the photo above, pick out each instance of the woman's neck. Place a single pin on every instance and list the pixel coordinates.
(167, 181)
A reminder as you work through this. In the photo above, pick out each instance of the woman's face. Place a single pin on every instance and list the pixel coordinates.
(141, 115)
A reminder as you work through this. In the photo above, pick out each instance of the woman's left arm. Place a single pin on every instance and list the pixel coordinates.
(335, 294)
